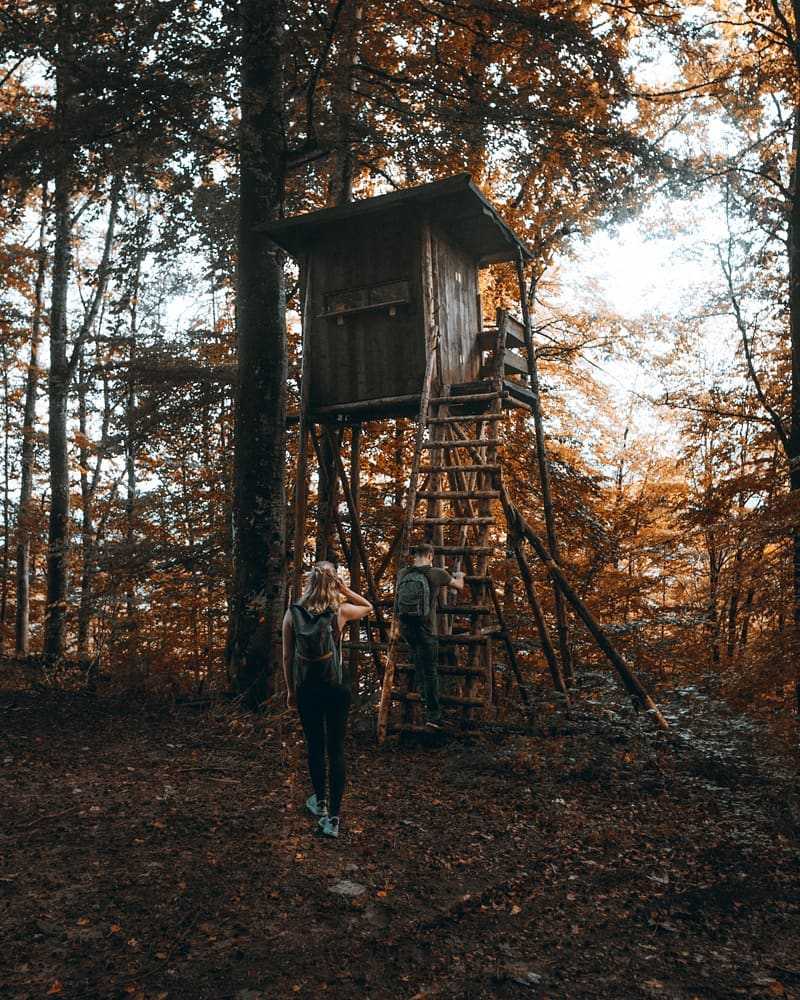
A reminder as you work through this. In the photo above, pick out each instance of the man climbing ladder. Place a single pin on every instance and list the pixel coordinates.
(415, 607)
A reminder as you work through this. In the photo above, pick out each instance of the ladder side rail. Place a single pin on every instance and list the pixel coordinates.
(536, 608)
(485, 509)
(358, 540)
(477, 656)
(469, 680)
(334, 507)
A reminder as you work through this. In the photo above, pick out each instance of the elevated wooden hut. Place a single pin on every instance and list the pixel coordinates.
(367, 307)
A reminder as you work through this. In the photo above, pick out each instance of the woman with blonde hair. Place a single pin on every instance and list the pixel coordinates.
(318, 684)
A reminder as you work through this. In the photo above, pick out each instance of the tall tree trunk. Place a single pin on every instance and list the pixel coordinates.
(355, 564)
(712, 611)
(130, 434)
(62, 371)
(746, 611)
(4, 587)
(733, 606)
(343, 170)
(58, 378)
(259, 505)
(794, 418)
(25, 515)
(87, 525)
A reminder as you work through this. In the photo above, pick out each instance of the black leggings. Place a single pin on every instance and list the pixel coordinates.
(323, 711)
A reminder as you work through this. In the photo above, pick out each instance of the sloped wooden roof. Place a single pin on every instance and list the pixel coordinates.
(455, 203)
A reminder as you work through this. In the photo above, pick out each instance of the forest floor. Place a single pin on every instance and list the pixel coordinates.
(155, 854)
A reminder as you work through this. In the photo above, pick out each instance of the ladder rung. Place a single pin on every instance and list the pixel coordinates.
(464, 550)
(463, 443)
(446, 699)
(462, 640)
(466, 418)
(426, 469)
(445, 670)
(470, 397)
(453, 520)
(458, 495)
(464, 609)
(346, 644)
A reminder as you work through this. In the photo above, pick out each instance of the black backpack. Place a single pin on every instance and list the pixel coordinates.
(316, 655)
(414, 595)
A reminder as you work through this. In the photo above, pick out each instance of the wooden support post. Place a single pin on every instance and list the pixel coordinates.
(631, 682)
(328, 447)
(358, 542)
(387, 559)
(432, 347)
(300, 511)
(354, 564)
(544, 471)
(301, 482)
(511, 654)
(337, 520)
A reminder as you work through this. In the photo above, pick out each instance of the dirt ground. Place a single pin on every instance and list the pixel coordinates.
(154, 854)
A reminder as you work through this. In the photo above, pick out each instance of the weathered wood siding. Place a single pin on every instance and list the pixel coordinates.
(459, 322)
(370, 354)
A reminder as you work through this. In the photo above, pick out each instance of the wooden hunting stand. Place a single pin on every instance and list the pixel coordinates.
(392, 327)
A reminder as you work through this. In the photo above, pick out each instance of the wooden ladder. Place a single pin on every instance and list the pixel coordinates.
(452, 502)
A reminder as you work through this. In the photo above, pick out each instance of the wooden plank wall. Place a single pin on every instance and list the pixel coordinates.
(458, 311)
(371, 355)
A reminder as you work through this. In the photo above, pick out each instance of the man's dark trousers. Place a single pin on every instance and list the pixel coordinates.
(424, 648)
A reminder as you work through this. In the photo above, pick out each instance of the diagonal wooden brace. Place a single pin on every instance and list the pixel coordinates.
(638, 695)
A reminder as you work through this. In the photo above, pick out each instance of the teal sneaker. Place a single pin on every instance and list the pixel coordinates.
(317, 807)
(329, 826)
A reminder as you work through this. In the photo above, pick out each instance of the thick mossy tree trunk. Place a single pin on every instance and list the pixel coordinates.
(259, 503)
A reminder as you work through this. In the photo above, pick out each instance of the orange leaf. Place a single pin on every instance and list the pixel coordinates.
(57, 987)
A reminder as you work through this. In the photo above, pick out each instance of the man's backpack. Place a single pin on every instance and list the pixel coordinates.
(316, 655)
(414, 595)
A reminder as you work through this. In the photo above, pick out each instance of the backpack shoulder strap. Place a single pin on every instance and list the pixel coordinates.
(298, 613)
